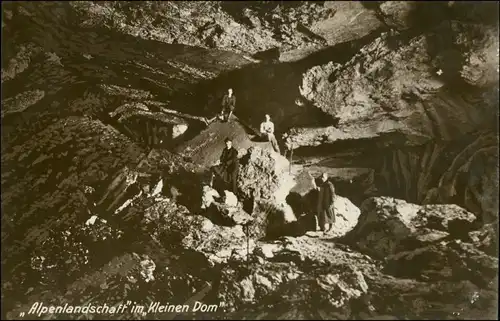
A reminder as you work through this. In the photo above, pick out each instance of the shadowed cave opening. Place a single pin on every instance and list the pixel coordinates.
(266, 87)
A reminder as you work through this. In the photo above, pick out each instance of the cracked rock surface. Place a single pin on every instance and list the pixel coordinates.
(107, 144)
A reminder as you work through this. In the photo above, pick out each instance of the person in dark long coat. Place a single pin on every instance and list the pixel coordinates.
(228, 105)
(228, 167)
(325, 206)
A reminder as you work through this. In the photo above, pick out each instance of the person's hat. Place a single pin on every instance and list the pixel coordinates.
(227, 140)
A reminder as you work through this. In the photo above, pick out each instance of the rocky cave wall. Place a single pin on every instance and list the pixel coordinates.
(354, 85)
(426, 97)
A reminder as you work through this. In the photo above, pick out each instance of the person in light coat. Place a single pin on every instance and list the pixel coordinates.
(267, 133)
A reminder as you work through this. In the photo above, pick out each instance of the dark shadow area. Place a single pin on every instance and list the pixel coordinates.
(212, 214)
(157, 134)
(484, 12)
(274, 232)
(270, 55)
(401, 173)
(259, 90)
(188, 186)
(267, 88)
(372, 5)
(350, 153)
(303, 204)
(305, 210)
(458, 229)
(340, 53)
(258, 139)
(251, 132)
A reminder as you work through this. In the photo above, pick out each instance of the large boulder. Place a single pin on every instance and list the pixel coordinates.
(412, 299)
(402, 87)
(265, 175)
(322, 293)
(387, 225)
(224, 214)
(446, 260)
(346, 216)
(194, 235)
(320, 269)
(242, 285)
(305, 251)
(398, 14)
(448, 217)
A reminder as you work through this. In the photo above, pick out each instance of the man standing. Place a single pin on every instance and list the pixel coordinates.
(228, 104)
(228, 166)
(325, 209)
(267, 133)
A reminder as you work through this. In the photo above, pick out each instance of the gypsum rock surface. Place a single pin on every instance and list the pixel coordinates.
(376, 91)
(265, 175)
(71, 60)
(387, 225)
(296, 30)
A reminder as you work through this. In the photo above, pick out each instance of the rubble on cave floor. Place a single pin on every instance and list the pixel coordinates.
(389, 232)
(93, 215)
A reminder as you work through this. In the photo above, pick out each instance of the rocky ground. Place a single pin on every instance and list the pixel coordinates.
(105, 153)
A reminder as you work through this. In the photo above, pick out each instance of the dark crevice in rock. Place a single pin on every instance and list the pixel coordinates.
(162, 226)
(340, 53)
(189, 185)
(270, 55)
(306, 31)
(268, 88)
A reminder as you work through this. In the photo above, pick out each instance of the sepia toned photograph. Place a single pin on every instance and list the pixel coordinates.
(249, 160)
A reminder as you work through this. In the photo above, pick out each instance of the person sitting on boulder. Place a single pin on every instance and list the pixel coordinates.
(267, 133)
(228, 104)
(325, 206)
(228, 166)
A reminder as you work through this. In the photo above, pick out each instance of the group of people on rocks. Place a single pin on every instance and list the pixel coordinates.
(266, 127)
(227, 167)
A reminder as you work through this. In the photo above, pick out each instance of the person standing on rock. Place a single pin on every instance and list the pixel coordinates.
(267, 133)
(228, 104)
(228, 166)
(325, 206)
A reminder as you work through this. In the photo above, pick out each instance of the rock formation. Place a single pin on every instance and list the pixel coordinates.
(106, 147)
(265, 175)
(406, 92)
(386, 223)
(296, 29)
(376, 91)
